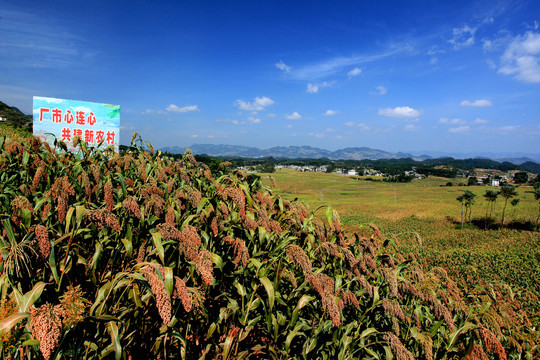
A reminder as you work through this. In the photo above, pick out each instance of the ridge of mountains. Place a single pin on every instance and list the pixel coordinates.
(309, 152)
(291, 152)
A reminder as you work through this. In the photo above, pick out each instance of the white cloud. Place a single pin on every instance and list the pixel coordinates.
(381, 89)
(330, 112)
(463, 37)
(281, 66)
(476, 103)
(354, 72)
(521, 58)
(253, 120)
(480, 121)
(194, 136)
(451, 121)
(294, 116)
(257, 105)
(350, 123)
(411, 127)
(311, 88)
(400, 111)
(184, 109)
(459, 129)
(314, 88)
(364, 127)
(331, 66)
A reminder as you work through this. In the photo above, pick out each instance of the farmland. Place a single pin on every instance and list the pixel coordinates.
(142, 255)
(423, 217)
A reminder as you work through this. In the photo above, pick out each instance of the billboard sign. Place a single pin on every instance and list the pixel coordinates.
(96, 124)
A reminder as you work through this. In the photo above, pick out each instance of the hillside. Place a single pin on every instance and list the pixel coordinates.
(289, 152)
(14, 117)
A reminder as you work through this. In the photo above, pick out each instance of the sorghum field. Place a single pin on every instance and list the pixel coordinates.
(423, 218)
(141, 256)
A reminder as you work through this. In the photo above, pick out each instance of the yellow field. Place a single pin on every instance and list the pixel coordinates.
(425, 199)
(423, 218)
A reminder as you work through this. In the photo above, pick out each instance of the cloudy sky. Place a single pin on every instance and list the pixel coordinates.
(451, 76)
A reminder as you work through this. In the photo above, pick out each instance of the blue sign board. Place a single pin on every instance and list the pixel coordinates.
(96, 124)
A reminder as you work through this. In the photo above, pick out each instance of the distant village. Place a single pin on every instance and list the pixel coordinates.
(483, 178)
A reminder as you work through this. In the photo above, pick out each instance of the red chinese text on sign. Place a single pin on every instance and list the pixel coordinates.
(68, 117)
(89, 136)
(80, 117)
(99, 136)
(110, 137)
(41, 111)
(91, 120)
(66, 134)
(56, 116)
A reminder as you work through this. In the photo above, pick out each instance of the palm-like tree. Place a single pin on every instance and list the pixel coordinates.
(507, 192)
(491, 197)
(467, 200)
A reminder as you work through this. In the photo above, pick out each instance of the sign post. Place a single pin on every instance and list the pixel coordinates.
(96, 124)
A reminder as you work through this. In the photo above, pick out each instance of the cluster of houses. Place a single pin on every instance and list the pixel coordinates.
(350, 172)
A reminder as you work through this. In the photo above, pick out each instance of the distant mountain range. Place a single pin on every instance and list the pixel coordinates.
(352, 153)
(292, 152)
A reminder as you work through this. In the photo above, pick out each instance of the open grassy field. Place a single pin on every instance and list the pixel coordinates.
(423, 217)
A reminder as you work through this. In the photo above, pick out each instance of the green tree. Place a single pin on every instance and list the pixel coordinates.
(521, 177)
(537, 197)
(266, 167)
(491, 198)
(467, 200)
(507, 192)
(473, 180)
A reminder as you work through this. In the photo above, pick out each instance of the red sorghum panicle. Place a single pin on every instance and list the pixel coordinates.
(236, 195)
(491, 343)
(74, 306)
(297, 255)
(214, 225)
(477, 353)
(203, 264)
(46, 211)
(170, 185)
(390, 277)
(240, 251)
(170, 217)
(287, 274)
(46, 327)
(96, 172)
(336, 221)
(102, 218)
(163, 302)
(399, 350)
(248, 222)
(108, 190)
(376, 231)
(194, 196)
(131, 206)
(391, 308)
(275, 227)
(168, 231)
(42, 235)
(366, 286)
(141, 255)
(61, 190)
(157, 204)
(40, 173)
(181, 292)
(224, 210)
(442, 311)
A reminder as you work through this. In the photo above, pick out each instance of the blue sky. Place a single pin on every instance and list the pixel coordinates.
(416, 76)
